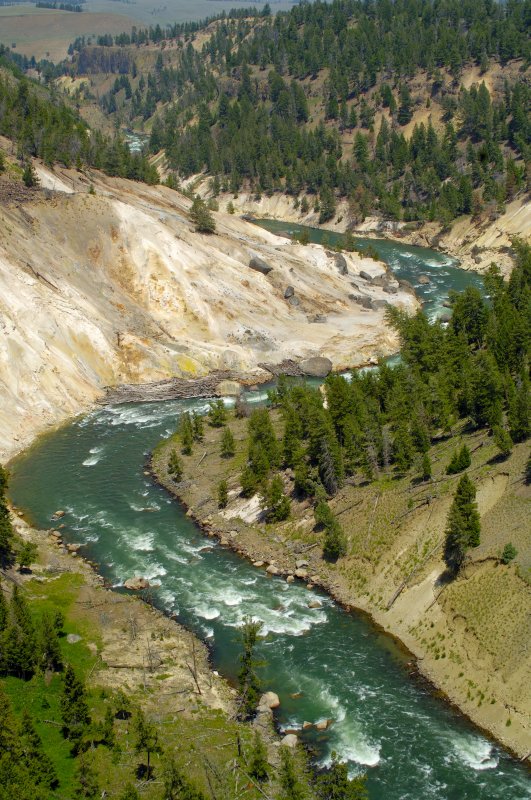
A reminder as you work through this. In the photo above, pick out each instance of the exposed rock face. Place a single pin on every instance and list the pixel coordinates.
(259, 265)
(132, 296)
(317, 367)
(136, 584)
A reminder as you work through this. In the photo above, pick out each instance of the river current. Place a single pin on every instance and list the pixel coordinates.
(323, 662)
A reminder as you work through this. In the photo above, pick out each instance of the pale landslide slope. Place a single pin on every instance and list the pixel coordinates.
(113, 287)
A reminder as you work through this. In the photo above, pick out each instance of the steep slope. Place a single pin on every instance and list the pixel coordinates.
(99, 289)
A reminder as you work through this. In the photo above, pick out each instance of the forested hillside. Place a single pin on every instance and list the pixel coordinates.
(40, 124)
(417, 110)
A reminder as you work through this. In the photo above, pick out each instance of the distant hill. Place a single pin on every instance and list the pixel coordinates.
(412, 110)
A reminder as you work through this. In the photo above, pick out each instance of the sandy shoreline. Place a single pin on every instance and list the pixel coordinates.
(262, 552)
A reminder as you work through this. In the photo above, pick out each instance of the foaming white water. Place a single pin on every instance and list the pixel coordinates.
(206, 613)
(143, 543)
(475, 752)
(91, 460)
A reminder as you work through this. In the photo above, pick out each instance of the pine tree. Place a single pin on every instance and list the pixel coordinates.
(38, 764)
(248, 681)
(217, 413)
(74, 709)
(291, 786)
(27, 555)
(202, 218)
(147, 740)
(275, 502)
(258, 766)
(463, 525)
(223, 494)
(29, 176)
(186, 434)
(51, 656)
(335, 544)
(228, 445)
(502, 440)
(425, 469)
(175, 466)
(460, 460)
(198, 426)
(87, 778)
(334, 784)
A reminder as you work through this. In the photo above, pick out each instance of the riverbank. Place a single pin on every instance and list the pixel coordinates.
(475, 243)
(469, 641)
(119, 642)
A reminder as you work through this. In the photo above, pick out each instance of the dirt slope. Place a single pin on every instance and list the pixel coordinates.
(116, 286)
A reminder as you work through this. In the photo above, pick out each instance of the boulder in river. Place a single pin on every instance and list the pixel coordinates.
(315, 603)
(269, 700)
(136, 584)
(290, 291)
(58, 514)
(323, 725)
(259, 265)
(272, 570)
(424, 280)
(290, 740)
(316, 367)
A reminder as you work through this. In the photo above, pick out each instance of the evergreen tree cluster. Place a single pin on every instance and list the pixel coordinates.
(42, 126)
(239, 109)
(475, 369)
(27, 644)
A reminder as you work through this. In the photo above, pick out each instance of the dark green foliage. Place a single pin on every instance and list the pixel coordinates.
(6, 529)
(258, 767)
(248, 681)
(334, 784)
(38, 764)
(223, 494)
(42, 126)
(509, 553)
(217, 413)
(335, 545)
(74, 709)
(228, 445)
(51, 658)
(18, 651)
(108, 736)
(20, 778)
(201, 216)
(263, 452)
(186, 433)
(463, 525)
(275, 503)
(175, 466)
(502, 440)
(29, 176)
(460, 460)
(27, 555)
(291, 786)
(425, 469)
(264, 140)
(198, 426)
(87, 779)
(147, 741)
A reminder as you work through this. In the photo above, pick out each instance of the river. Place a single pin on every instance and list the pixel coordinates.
(411, 744)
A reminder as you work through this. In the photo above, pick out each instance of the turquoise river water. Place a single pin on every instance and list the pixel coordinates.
(411, 744)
